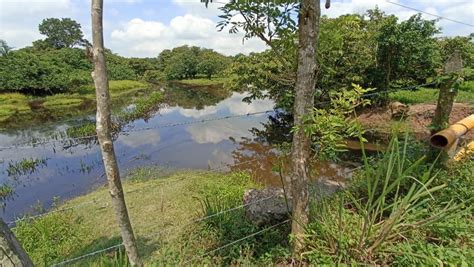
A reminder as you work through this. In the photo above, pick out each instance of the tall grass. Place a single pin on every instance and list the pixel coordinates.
(392, 202)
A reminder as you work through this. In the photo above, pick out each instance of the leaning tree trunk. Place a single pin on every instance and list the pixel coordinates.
(104, 135)
(11, 252)
(308, 31)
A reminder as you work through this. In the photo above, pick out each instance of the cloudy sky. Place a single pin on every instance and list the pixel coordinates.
(142, 28)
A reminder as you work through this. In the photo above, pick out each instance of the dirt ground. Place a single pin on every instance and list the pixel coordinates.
(418, 118)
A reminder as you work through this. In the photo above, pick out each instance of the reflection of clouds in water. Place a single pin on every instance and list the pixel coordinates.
(198, 113)
(233, 104)
(236, 106)
(219, 159)
(218, 131)
(136, 139)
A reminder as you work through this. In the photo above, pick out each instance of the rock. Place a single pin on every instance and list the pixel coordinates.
(398, 110)
(266, 206)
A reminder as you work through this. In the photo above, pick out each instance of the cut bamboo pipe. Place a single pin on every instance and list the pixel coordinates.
(445, 138)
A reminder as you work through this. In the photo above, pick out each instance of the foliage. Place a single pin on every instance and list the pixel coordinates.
(211, 63)
(374, 50)
(186, 62)
(50, 238)
(4, 48)
(407, 51)
(270, 21)
(154, 76)
(463, 44)
(62, 33)
(330, 128)
(44, 71)
(265, 70)
(397, 209)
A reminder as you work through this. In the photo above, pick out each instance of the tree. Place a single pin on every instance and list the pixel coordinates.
(4, 48)
(105, 137)
(11, 252)
(210, 63)
(271, 21)
(62, 33)
(308, 34)
(407, 51)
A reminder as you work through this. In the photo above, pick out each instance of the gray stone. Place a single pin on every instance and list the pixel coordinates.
(266, 206)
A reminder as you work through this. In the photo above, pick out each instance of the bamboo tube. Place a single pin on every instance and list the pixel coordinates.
(447, 137)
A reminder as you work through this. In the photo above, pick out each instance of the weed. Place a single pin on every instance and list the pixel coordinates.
(25, 166)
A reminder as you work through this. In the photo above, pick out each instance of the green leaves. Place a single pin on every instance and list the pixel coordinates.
(330, 128)
(62, 33)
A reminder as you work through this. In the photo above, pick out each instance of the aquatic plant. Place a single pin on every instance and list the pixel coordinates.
(25, 166)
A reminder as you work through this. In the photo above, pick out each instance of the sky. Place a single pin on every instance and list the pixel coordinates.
(143, 28)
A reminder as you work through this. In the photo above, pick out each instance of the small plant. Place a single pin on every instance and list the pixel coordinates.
(25, 166)
(329, 128)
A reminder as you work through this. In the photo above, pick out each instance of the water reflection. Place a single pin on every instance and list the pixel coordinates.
(75, 167)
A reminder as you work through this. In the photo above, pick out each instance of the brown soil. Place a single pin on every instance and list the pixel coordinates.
(417, 120)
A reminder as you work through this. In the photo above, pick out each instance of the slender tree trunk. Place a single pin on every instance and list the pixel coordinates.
(104, 135)
(11, 252)
(447, 93)
(444, 106)
(308, 32)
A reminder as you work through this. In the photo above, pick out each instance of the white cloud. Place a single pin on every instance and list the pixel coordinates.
(139, 37)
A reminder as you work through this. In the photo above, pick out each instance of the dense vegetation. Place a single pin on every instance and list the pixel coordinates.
(357, 226)
(374, 50)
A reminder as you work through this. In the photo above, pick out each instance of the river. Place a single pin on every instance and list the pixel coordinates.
(192, 130)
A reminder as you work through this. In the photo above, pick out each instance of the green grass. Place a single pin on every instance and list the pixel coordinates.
(205, 81)
(11, 104)
(62, 100)
(158, 203)
(427, 95)
(15, 108)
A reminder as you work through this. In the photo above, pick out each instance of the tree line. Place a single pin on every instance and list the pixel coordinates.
(60, 62)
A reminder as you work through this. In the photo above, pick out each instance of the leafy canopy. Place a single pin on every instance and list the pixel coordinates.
(61, 33)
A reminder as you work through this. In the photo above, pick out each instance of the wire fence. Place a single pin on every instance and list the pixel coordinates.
(93, 253)
(33, 144)
(116, 246)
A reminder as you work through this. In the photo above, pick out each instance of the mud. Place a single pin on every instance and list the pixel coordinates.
(417, 119)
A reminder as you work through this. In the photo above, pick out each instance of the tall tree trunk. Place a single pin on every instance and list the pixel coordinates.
(11, 252)
(104, 135)
(308, 33)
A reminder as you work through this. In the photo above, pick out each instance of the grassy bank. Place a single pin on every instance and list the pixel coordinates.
(217, 81)
(428, 95)
(159, 206)
(17, 110)
(410, 224)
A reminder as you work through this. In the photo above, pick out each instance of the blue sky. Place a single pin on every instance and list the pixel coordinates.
(145, 27)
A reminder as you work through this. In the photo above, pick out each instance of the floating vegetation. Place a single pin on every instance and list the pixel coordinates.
(25, 166)
(6, 191)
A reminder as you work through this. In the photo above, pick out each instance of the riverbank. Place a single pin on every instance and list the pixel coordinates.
(19, 110)
(164, 209)
(161, 207)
